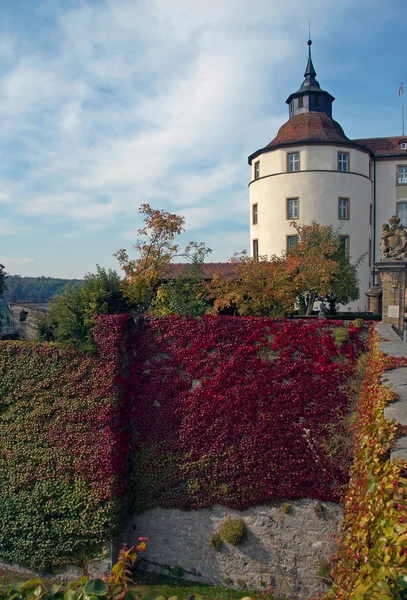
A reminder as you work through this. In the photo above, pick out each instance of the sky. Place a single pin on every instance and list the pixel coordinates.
(109, 104)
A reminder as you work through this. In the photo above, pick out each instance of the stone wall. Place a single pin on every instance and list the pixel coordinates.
(287, 550)
(24, 318)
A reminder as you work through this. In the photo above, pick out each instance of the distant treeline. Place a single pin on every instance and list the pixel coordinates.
(34, 289)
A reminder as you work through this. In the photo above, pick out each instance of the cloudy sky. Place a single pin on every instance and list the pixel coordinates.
(108, 104)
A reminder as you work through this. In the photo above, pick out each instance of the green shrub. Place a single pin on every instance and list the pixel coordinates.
(177, 571)
(320, 510)
(232, 531)
(323, 570)
(358, 323)
(341, 336)
(286, 508)
(216, 542)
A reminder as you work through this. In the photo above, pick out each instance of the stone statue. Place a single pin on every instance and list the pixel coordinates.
(394, 240)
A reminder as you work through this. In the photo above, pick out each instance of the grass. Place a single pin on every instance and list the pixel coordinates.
(153, 585)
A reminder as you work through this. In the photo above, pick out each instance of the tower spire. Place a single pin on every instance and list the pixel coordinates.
(310, 97)
(310, 72)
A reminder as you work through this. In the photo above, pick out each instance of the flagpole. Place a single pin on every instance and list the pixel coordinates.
(402, 110)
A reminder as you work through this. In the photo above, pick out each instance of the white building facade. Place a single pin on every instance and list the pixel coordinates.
(312, 172)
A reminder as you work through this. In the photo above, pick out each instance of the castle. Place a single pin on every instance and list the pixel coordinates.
(311, 171)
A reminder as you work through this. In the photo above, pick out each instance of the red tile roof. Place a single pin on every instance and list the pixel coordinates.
(179, 269)
(384, 146)
(309, 127)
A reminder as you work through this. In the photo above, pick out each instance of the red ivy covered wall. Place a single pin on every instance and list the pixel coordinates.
(224, 409)
(172, 412)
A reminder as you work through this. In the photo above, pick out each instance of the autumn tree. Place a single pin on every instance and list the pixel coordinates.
(260, 287)
(156, 247)
(317, 268)
(321, 268)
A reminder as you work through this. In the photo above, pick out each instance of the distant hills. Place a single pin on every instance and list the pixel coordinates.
(34, 289)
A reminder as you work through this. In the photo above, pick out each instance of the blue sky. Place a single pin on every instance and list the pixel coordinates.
(108, 104)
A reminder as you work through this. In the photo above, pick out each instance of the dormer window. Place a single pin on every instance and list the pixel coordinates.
(403, 145)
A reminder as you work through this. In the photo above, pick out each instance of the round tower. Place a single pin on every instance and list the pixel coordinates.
(312, 172)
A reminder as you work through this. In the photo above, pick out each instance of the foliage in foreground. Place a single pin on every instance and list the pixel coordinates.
(371, 563)
(119, 586)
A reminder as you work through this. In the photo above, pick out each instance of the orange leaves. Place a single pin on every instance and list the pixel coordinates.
(371, 562)
(258, 287)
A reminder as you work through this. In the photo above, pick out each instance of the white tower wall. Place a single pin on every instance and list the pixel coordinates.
(318, 185)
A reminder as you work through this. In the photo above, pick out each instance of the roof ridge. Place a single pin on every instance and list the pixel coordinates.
(382, 137)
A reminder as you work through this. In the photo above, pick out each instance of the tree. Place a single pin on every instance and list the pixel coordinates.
(3, 276)
(182, 295)
(260, 287)
(144, 275)
(317, 268)
(344, 288)
(71, 316)
(320, 267)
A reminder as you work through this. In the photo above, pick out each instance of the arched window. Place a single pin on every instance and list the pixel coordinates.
(402, 212)
(23, 315)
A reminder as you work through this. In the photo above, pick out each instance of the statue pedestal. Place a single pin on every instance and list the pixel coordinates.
(393, 277)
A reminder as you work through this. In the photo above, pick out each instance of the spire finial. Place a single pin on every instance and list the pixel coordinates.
(309, 40)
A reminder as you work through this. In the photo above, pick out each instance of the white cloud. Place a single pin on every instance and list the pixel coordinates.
(7, 260)
(12, 227)
(157, 102)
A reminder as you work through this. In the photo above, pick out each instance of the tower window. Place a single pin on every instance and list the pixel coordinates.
(370, 214)
(256, 249)
(255, 214)
(292, 208)
(344, 242)
(401, 174)
(402, 213)
(316, 100)
(293, 161)
(300, 102)
(343, 208)
(343, 161)
(291, 242)
(257, 169)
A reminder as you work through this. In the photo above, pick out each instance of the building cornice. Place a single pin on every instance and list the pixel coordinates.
(349, 144)
(309, 171)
